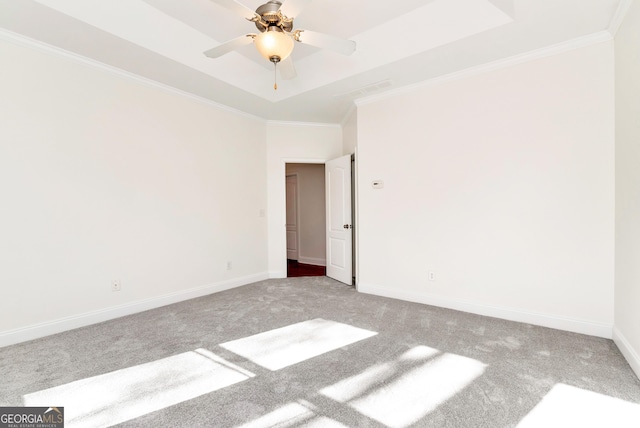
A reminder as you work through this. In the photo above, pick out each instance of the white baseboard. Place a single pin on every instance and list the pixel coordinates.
(312, 261)
(277, 274)
(36, 331)
(627, 350)
(544, 320)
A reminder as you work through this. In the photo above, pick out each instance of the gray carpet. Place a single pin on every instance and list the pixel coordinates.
(339, 358)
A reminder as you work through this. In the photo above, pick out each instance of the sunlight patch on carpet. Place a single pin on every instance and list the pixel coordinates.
(569, 406)
(374, 376)
(125, 394)
(283, 347)
(293, 415)
(401, 392)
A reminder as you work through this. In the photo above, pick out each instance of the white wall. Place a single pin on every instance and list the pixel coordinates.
(350, 133)
(627, 289)
(311, 212)
(292, 143)
(503, 185)
(103, 177)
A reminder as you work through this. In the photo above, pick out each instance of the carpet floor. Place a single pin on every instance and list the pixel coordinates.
(312, 352)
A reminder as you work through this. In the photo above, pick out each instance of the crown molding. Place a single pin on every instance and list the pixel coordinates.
(20, 40)
(304, 124)
(24, 41)
(618, 17)
(577, 43)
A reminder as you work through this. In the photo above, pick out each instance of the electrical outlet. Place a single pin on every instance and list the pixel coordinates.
(229, 266)
(432, 276)
(115, 285)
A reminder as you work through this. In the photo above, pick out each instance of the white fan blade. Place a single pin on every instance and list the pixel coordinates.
(292, 8)
(325, 41)
(236, 7)
(229, 46)
(287, 69)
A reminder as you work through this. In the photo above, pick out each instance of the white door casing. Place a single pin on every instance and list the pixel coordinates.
(292, 217)
(339, 221)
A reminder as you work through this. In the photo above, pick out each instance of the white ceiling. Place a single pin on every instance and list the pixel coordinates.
(399, 43)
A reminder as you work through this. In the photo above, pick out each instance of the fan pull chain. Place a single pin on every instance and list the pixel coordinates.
(275, 76)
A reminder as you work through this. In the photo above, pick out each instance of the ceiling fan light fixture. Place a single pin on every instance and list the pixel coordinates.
(274, 44)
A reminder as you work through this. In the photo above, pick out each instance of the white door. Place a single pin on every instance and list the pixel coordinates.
(292, 217)
(339, 224)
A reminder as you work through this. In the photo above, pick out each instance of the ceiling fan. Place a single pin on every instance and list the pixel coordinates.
(275, 42)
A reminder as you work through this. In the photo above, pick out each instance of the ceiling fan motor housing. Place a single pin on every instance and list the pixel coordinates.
(271, 16)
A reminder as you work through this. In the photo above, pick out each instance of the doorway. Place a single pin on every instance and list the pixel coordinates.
(305, 219)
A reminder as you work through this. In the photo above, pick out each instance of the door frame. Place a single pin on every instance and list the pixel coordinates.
(282, 195)
(294, 174)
